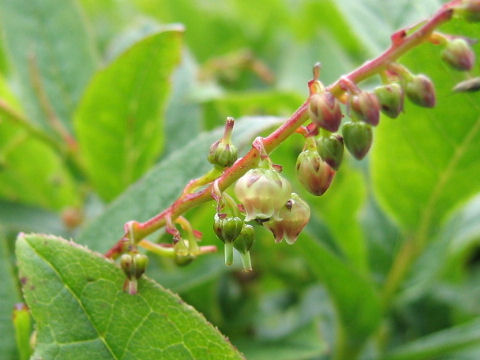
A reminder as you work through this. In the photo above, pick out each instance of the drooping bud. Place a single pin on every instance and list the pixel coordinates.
(140, 262)
(222, 152)
(470, 85)
(390, 97)
(227, 228)
(358, 138)
(126, 263)
(262, 191)
(243, 243)
(314, 173)
(421, 91)
(469, 10)
(365, 107)
(324, 110)
(459, 55)
(294, 216)
(331, 149)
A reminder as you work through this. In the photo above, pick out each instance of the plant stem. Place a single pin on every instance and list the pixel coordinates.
(401, 43)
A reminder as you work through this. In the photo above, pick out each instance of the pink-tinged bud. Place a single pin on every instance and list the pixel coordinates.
(391, 98)
(459, 55)
(314, 173)
(469, 10)
(470, 85)
(324, 111)
(421, 91)
(294, 215)
(358, 138)
(365, 107)
(262, 193)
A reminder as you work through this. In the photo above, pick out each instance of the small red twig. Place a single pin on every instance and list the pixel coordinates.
(402, 41)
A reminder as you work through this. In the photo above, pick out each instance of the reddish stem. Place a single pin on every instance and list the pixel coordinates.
(401, 43)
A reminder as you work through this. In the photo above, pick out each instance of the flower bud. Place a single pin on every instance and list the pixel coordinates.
(459, 55)
(227, 228)
(126, 263)
(358, 138)
(222, 154)
(140, 262)
(391, 99)
(314, 173)
(331, 150)
(324, 110)
(294, 216)
(420, 91)
(469, 10)
(243, 243)
(262, 191)
(365, 106)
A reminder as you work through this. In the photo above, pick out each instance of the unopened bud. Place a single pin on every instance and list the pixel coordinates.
(420, 91)
(358, 138)
(324, 111)
(140, 261)
(314, 173)
(469, 85)
(469, 10)
(244, 243)
(294, 216)
(391, 99)
(459, 55)
(222, 152)
(126, 263)
(331, 150)
(262, 192)
(365, 107)
(227, 228)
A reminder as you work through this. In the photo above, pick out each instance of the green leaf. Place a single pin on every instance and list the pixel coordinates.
(354, 297)
(81, 312)
(119, 121)
(439, 343)
(340, 208)
(305, 343)
(48, 44)
(30, 171)
(19, 217)
(459, 234)
(424, 164)
(147, 198)
(9, 295)
(375, 20)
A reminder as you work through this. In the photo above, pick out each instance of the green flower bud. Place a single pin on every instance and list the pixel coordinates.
(420, 91)
(324, 110)
(244, 243)
(227, 228)
(314, 173)
(365, 107)
(459, 55)
(295, 215)
(262, 192)
(331, 150)
(126, 263)
(358, 138)
(469, 10)
(140, 262)
(391, 99)
(222, 154)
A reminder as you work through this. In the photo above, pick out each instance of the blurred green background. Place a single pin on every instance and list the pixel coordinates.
(143, 134)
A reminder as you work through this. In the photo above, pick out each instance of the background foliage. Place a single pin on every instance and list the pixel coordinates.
(142, 87)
